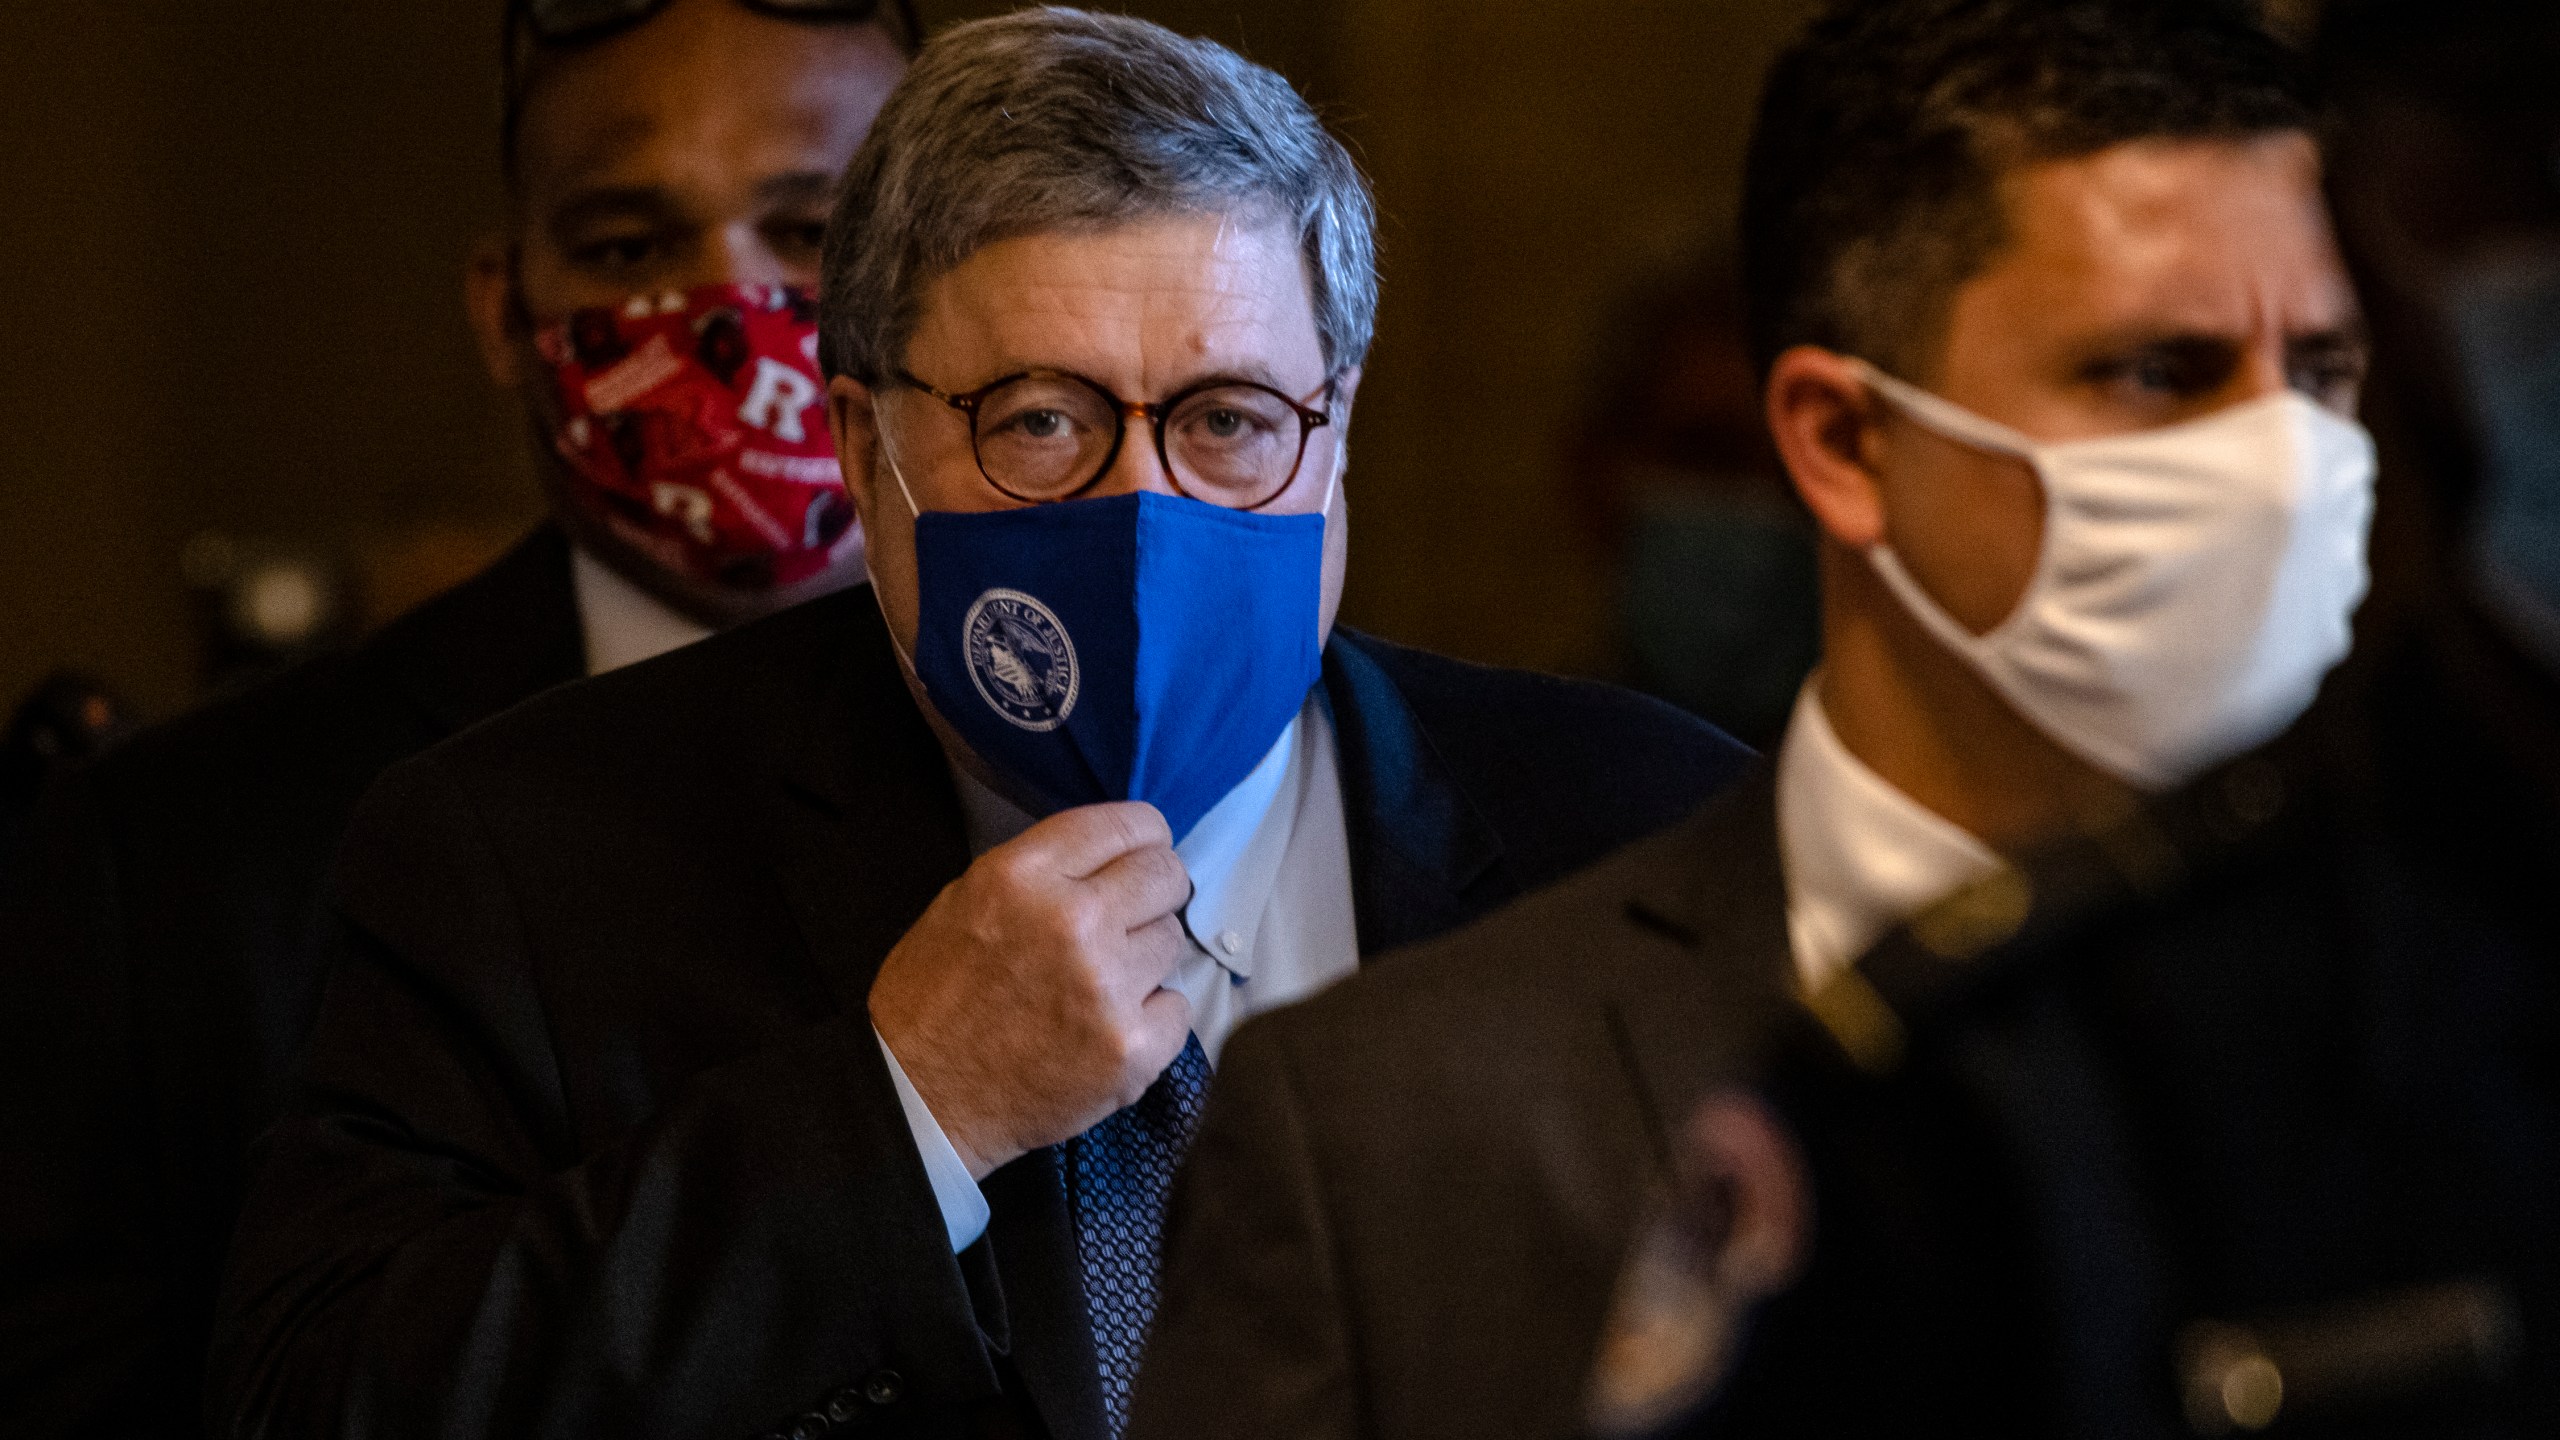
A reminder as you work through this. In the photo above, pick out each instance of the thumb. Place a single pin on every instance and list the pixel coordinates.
(1163, 1028)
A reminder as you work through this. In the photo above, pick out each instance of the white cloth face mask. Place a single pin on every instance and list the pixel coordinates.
(2194, 585)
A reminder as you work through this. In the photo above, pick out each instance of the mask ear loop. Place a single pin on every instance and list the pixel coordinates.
(889, 453)
(1949, 421)
(1943, 417)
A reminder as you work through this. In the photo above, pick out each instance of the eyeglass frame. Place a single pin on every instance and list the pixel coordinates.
(1154, 412)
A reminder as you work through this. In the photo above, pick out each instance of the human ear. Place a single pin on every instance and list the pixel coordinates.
(1824, 421)
(1345, 386)
(496, 312)
(857, 435)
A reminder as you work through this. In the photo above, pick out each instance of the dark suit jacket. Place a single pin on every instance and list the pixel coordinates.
(599, 1138)
(157, 987)
(1405, 1207)
(2221, 1061)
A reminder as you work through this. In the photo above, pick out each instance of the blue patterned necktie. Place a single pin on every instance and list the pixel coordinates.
(1118, 1174)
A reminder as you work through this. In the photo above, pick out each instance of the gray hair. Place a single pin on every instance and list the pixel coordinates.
(1059, 119)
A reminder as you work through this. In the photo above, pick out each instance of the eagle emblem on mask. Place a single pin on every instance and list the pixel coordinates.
(1020, 659)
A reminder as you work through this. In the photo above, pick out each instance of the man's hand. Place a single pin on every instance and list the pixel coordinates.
(1026, 1004)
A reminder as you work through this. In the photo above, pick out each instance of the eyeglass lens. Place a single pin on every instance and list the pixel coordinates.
(1046, 437)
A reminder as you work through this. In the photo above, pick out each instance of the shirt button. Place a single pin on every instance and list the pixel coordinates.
(883, 1387)
(1230, 941)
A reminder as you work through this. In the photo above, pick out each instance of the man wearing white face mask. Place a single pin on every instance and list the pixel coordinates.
(2116, 539)
(2061, 358)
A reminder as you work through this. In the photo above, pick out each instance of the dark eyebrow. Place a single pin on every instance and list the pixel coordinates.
(610, 202)
(1255, 374)
(797, 187)
(2337, 339)
(2190, 348)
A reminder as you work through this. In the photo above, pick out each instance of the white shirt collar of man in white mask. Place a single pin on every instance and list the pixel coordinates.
(2094, 527)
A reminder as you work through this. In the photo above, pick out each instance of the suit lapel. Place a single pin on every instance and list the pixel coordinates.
(866, 829)
(1720, 895)
(864, 825)
(1423, 860)
(1033, 1239)
(1722, 892)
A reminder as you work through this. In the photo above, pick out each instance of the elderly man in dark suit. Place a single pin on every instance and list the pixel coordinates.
(2060, 355)
(158, 984)
(799, 1032)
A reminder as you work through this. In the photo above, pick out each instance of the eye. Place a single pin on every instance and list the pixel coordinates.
(2155, 374)
(2171, 372)
(1040, 424)
(612, 254)
(1230, 417)
(2329, 376)
(797, 238)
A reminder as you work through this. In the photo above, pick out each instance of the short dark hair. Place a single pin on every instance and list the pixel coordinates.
(524, 64)
(1871, 191)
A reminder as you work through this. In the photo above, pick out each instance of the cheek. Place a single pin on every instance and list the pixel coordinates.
(1337, 553)
(552, 289)
(892, 556)
(1970, 528)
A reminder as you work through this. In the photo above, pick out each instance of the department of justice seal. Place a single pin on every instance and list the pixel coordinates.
(1020, 659)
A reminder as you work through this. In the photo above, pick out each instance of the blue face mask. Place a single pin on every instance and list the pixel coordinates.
(1135, 647)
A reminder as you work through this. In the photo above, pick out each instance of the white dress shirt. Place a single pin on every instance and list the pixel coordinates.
(1270, 915)
(623, 624)
(1860, 857)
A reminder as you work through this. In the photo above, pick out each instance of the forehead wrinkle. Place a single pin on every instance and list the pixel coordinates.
(783, 143)
(1145, 311)
(790, 186)
(2139, 245)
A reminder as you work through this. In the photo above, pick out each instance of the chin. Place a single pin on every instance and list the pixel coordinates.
(659, 565)
(734, 606)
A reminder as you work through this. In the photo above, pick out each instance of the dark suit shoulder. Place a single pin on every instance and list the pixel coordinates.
(1564, 770)
(309, 740)
(334, 702)
(692, 708)
(1584, 725)
(1578, 936)
(1421, 1181)
(1682, 930)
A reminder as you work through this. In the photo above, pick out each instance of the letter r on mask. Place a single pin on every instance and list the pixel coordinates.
(777, 398)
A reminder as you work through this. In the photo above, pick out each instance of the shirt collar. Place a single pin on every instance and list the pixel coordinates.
(1232, 855)
(1860, 856)
(623, 624)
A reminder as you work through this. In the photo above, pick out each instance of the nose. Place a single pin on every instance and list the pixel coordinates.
(2265, 369)
(1137, 467)
(739, 253)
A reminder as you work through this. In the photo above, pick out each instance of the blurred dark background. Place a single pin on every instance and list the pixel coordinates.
(241, 394)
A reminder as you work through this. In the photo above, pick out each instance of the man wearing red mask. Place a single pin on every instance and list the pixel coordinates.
(670, 167)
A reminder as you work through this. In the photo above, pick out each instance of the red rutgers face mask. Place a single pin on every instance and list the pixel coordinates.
(693, 425)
